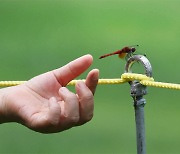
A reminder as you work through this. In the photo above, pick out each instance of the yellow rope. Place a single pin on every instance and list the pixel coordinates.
(144, 80)
(10, 83)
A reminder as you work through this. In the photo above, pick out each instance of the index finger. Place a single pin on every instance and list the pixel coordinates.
(73, 69)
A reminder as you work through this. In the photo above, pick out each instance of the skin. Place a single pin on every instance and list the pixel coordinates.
(45, 105)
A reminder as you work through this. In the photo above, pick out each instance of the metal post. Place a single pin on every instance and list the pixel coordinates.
(140, 130)
(137, 92)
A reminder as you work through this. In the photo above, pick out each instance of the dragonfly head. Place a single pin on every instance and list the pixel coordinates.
(133, 49)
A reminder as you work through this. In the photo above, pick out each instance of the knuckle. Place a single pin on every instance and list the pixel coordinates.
(73, 119)
(70, 119)
(88, 96)
(51, 121)
(72, 96)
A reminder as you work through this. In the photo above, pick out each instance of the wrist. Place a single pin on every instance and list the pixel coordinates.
(2, 106)
(8, 109)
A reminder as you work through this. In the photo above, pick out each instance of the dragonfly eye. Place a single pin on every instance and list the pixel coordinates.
(133, 49)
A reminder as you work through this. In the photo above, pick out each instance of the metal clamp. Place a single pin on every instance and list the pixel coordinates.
(137, 92)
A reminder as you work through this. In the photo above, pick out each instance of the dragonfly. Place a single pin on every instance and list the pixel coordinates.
(125, 52)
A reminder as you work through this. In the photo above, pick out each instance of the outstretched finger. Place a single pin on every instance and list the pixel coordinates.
(73, 69)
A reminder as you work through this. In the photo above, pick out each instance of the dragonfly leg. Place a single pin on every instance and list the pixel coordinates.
(129, 55)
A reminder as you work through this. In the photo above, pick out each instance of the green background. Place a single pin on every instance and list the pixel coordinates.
(37, 36)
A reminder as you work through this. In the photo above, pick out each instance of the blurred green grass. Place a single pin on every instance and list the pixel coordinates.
(38, 36)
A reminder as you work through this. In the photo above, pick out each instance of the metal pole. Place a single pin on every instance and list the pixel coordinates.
(137, 92)
(140, 130)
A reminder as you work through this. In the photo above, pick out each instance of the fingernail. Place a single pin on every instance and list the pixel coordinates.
(81, 84)
(96, 75)
(63, 89)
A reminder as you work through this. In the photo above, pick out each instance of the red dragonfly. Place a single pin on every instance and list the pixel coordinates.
(122, 52)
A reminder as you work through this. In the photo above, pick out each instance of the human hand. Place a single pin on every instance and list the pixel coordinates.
(44, 104)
